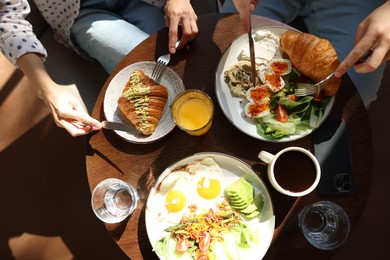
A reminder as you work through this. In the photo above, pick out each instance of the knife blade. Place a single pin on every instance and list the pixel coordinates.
(117, 126)
(252, 53)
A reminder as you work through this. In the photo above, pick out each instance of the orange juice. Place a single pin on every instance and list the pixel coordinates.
(192, 111)
(194, 114)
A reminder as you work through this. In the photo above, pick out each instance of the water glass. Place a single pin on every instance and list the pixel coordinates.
(324, 224)
(113, 200)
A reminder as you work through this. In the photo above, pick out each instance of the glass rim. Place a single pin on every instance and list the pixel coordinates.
(181, 94)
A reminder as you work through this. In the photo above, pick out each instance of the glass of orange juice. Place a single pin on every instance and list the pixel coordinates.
(193, 111)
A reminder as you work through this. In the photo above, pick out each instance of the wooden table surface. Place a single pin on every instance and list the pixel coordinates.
(141, 164)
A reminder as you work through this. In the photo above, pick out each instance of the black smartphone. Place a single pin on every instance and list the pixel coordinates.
(331, 148)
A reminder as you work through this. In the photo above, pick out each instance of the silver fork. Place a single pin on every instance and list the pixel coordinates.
(312, 89)
(316, 88)
(161, 65)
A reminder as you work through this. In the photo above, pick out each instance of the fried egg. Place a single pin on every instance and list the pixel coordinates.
(209, 185)
(192, 189)
(171, 199)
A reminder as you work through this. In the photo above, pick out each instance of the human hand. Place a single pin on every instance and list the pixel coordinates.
(373, 34)
(245, 8)
(68, 111)
(180, 13)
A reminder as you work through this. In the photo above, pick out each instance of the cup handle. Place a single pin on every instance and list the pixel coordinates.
(266, 157)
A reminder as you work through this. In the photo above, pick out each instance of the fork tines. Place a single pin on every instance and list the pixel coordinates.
(316, 88)
(158, 70)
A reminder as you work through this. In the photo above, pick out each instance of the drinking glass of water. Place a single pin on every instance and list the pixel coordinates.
(113, 200)
(324, 224)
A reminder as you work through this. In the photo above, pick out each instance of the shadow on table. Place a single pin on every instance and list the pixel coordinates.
(45, 192)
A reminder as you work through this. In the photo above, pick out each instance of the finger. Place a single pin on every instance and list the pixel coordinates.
(373, 61)
(356, 53)
(82, 118)
(172, 35)
(252, 6)
(194, 29)
(75, 128)
(360, 32)
(186, 33)
(362, 43)
(387, 56)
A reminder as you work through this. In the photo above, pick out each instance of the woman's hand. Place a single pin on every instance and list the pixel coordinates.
(68, 111)
(373, 34)
(180, 13)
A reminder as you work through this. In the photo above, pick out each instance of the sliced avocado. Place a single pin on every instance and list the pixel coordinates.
(248, 210)
(241, 197)
(252, 215)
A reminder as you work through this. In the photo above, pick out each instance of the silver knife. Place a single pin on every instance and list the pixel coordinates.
(117, 126)
(252, 53)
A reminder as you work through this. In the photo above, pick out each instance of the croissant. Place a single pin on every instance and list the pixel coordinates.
(143, 101)
(316, 58)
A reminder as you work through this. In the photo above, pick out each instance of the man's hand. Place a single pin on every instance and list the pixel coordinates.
(180, 13)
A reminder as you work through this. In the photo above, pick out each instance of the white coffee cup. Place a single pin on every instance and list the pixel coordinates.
(293, 171)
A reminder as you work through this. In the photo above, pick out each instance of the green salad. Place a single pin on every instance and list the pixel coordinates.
(289, 114)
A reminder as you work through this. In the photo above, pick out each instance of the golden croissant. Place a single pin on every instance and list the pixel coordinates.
(316, 58)
(143, 101)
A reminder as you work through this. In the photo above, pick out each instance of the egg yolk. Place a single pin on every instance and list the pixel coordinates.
(208, 188)
(175, 201)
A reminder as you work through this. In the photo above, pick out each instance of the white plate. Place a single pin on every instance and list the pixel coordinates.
(232, 168)
(233, 107)
(170, 80)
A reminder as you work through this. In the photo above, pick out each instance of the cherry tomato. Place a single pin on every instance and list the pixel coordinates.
(204, 242)
(202, 257)
(182, 245)
(292, 97)
(282, 113)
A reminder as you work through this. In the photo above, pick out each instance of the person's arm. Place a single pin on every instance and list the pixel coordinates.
(180, 13)
(372, 34)
(23, 49)
(67, 110)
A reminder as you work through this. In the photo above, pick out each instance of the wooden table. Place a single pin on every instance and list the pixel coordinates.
(140, 165)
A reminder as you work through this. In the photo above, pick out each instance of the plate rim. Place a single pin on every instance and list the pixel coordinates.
(148, 139)
(202, 155)
(218, 89)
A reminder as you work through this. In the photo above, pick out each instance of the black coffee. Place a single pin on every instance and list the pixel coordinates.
(294, 171)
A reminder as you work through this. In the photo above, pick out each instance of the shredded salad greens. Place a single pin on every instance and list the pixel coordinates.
(196, 236)
(304, 113)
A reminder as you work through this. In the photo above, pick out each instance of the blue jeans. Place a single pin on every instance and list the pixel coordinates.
(107, 30)
(335, 20)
